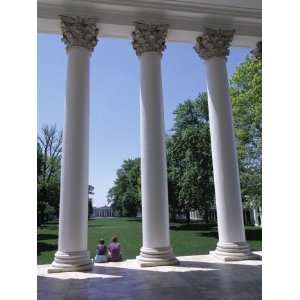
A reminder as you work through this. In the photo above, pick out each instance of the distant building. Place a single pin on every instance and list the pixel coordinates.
(104, 211)
(248, 214)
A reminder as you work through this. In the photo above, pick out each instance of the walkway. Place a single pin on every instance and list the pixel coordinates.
(197, 277)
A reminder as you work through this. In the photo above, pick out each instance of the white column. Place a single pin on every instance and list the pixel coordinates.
(72, 254)
(255, 216)
(149, 42)
(213, 47)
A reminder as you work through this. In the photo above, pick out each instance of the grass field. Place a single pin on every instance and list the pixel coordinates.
(185, 239)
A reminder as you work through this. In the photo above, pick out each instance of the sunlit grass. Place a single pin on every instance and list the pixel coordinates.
(190, 239)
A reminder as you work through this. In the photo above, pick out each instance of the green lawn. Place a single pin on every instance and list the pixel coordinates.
(185, 239)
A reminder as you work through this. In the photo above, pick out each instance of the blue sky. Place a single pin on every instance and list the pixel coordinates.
(114, 97)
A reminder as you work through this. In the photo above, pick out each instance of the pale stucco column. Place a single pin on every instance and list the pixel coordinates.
(80, 37)
(255, 216)
(149, 42)
(213, 47)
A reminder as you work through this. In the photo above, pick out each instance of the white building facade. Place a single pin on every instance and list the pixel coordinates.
(103, 211)
(212, 27)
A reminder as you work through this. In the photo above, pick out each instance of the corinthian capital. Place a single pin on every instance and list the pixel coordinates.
(78, 31)
(149, 37)
(214, 42)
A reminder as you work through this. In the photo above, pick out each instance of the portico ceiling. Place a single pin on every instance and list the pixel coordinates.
(186, 18)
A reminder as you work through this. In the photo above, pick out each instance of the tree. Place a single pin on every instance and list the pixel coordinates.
(90, 209)
(173, 203)
(246, 94)
(125, 195)
(90, 200)
(115, 202)
(189, 157)
(48, 170)
(190, 173)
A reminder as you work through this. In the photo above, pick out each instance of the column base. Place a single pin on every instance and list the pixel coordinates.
(71, 262)
(151, 257)
(234, 252)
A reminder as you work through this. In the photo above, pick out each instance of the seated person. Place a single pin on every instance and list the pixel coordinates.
(101, 252)
(114, 250)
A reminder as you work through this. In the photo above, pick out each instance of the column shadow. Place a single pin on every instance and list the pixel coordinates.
(204, 280)
(41, 247)
(254, 234)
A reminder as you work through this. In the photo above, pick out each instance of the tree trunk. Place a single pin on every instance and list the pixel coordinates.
(187, 217)
(40, 219)
(205, 216)
(173, 215)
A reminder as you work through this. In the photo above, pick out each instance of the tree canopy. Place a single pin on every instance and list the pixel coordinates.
(189, 157)
(190, 184)
(190, 173)
(246, 94)
(49, 147)
(91, 192)
(125, 195)
(49, 150)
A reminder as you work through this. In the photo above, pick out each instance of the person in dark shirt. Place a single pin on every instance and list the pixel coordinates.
(114, 250)
(101, 250)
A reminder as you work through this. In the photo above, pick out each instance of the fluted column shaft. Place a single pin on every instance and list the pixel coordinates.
(73, 254)
(149, 42)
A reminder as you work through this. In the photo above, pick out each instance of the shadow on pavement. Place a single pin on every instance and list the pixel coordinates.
(190, 280)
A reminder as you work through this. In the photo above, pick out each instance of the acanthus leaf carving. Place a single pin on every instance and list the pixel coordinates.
(149, 37)
(79, 31)
(214, 43)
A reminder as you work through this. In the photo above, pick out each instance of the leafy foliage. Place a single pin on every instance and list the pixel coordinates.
(190, 174)
(246, 94)
(190, 184)
(189, 156)
(125, 195)
(48, 170)
(49, 149)
(90, 192)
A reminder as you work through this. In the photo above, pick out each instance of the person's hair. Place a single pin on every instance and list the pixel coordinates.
(101, 241)
(114, 239)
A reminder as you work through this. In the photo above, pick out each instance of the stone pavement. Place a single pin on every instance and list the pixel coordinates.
(197, 277)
